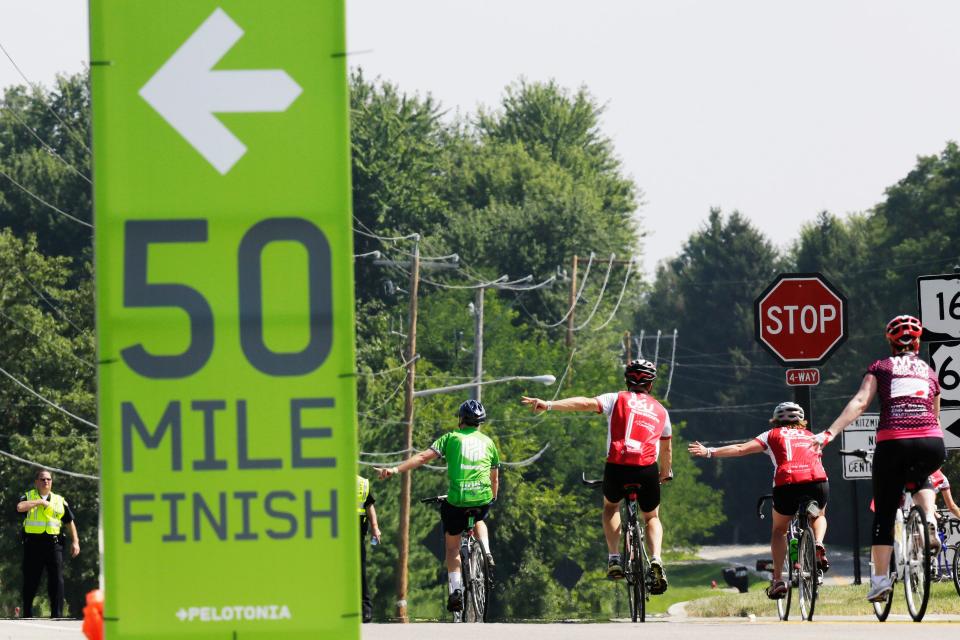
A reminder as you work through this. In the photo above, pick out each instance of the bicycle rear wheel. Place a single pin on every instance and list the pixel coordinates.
(641, 568)
(956, 568)
(916, 579)
(475, 598)
(630, 575)
(787, 575)
(807, 574)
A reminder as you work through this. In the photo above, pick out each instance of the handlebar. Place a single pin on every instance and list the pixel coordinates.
(434, 500)
(863, 454)
(589, 483)
(760, 502)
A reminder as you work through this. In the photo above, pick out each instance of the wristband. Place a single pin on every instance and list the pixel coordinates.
(711, 451)
(549, 405)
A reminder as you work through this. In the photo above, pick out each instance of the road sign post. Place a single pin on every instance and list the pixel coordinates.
(862, 434)
(225, 319)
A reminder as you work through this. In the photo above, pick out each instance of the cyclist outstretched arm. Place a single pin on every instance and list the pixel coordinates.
(730, 451)
(407, 465)
(576, 403)
(857, 405)
(666, 459)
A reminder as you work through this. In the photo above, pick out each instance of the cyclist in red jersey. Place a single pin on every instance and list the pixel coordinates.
(638, 434)
(909, 439)
(940, 485)
(798, 476)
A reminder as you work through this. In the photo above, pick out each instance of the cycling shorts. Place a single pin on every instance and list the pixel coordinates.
(456, 519)
(615, 476)
(787, 497)
(898, 464)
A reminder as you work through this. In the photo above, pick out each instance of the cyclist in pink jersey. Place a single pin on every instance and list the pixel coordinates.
(638, 434)
(940, 485)
(798, 476)
(909, 439)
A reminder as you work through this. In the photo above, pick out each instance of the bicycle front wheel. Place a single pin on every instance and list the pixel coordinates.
(956, 568)
(916, 578)
(475, 598)
(807, 574)
(787, 575)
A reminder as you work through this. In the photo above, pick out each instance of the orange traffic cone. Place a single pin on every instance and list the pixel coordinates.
(93, 616)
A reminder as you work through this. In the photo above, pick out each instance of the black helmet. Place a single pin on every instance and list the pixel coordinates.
(640, 372)
(472, 413)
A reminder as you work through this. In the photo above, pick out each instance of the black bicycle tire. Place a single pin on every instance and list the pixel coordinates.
(478, 583)
(641, 581)
(625, 555)
(956, 568)
(882, 609)
(807, 587)
(461, 616)
(917, 518)
(786, 574)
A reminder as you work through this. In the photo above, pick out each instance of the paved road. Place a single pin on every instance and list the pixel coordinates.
(664, 629)
(841, 560)
(726, 629)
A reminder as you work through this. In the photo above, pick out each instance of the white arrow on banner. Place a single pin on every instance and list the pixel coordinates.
(186, 92)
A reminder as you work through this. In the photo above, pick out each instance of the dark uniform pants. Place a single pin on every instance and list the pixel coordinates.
(42, 551)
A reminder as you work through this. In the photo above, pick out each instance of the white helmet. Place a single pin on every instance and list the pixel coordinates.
(788, 412)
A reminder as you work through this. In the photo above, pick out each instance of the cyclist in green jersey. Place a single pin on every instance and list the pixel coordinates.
(473, 472)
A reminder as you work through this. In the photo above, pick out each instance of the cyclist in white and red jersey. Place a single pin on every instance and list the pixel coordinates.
(909, 439)
(940, 485)
(798, 476)
(638, 434)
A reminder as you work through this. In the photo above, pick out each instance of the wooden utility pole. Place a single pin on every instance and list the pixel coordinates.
(573, 301)
(404, 533)
(628, 343)
(478, 343)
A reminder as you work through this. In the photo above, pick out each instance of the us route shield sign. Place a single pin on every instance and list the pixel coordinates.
(225, 318)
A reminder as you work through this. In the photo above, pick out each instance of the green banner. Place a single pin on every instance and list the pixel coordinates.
(224, 267)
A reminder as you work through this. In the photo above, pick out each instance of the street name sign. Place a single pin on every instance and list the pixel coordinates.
(862, 434)
(800, 319)
(225, 321)
(938, 298)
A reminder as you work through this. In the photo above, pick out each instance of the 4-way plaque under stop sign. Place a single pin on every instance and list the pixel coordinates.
(801, 318)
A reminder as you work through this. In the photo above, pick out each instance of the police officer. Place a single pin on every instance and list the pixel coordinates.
(47, 513)
(367, 512)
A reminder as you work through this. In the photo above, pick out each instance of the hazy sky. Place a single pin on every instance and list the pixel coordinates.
(777, 110)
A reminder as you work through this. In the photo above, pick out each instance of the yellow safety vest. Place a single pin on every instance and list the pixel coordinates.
(363, 490)
(45, 519)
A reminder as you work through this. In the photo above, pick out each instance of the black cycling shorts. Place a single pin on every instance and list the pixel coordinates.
(615, 476)
(899, 464)
(787, 498)
(455, 519)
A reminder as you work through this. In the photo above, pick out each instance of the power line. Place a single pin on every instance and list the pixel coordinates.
(603, 288)
(370, 412)
(673, 357)
(623, 289)
(43, 339)
(44, 144)
(49, 402)
(390, 370)
(46, 466)
(69, 129)
(44, 202)
(583, 284)
(44, 298)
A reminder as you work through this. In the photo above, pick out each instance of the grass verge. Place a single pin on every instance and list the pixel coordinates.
(831, 601)
(691, 581)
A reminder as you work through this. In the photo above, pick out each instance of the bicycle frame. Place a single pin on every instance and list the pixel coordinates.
(798, 529)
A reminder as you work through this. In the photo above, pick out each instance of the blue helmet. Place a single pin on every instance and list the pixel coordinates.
(472, 413)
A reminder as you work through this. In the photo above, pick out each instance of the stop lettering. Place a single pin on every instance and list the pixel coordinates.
(800, 318)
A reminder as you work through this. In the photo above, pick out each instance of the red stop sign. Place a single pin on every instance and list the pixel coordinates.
(800, 318)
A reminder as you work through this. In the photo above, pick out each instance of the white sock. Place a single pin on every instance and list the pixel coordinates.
(613, 556)
(454, 580)
(485, 543)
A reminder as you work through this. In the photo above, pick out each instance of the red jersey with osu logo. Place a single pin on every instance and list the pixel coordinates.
(636, 423)
(794, 457)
